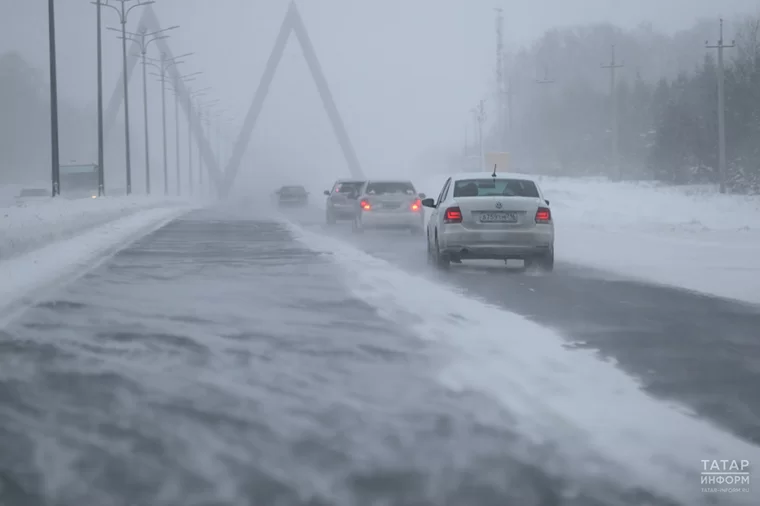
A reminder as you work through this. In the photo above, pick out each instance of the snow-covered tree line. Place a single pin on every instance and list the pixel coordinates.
(667, 103)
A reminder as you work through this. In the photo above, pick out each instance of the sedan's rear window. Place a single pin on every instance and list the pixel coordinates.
(293, 190)
(348, 187)
(386, 187)
(495, 188)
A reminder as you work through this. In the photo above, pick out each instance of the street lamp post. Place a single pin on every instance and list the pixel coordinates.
(185, 78)
(101, 155)
(143, 39)
(219, 117)
(123, 13)
(163, 64)
(54, 158)
(201, 117)
(190, 118)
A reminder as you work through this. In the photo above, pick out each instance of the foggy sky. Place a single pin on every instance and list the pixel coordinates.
(404, 73)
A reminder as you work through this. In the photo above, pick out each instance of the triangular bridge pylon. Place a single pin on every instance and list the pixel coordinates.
(293, 23)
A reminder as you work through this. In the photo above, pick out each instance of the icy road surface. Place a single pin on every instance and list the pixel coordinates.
(218, 361)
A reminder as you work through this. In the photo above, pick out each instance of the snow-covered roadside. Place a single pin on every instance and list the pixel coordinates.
(24, 276)
(559, 398)
(690, 237)
(37, 223)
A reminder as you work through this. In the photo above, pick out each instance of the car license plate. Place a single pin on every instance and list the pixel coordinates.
(498, 218)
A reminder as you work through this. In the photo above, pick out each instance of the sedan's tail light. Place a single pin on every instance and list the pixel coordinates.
(543, 215)
(453, 215)
(416, 205)
(365, 205)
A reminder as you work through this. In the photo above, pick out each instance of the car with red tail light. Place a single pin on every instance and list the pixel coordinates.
(389, 204)
(341, 200)
(482, 216)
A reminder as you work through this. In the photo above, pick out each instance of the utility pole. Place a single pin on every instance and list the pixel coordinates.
(545, 80)
(509, 92)
(721, 108)
(613, 66)
(54, 152)
(123, 13)
(466, 140)
(510, 96)
(143, 38)
(101, 155)
(500, 77)
(479, 115)
(200, 154)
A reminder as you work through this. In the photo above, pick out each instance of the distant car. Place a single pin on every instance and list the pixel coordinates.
(490, 216)
(292, 196)
(32, 194)
(389, 204)
(341, 200)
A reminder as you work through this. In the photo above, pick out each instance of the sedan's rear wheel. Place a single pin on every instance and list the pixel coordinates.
(546, 261)
(543, 262)
(442, 260)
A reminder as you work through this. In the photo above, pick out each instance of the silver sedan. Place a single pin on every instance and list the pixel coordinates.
(490, 217)
(389, 204)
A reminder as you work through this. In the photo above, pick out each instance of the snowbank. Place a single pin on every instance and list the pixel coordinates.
(691, 237)
(36, 223)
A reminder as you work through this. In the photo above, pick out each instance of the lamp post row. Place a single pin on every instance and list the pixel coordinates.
(144, 39)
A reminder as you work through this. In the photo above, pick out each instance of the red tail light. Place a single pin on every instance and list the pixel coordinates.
(416, 205)
(453, 215)
(365, 205)
(543, 215)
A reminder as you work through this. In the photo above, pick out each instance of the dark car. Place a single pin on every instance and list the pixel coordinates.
(292, 196)
(341, 200)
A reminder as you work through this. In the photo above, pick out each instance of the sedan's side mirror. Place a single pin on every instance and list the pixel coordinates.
(428, 202)
(327, 192)
(547, 202)
(422, 195)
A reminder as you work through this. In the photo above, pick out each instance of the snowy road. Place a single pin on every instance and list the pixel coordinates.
(219, 361)
(699, 350)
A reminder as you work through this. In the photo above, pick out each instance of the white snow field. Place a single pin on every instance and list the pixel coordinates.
(556, 396)
(35, 223)
(690, 237)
